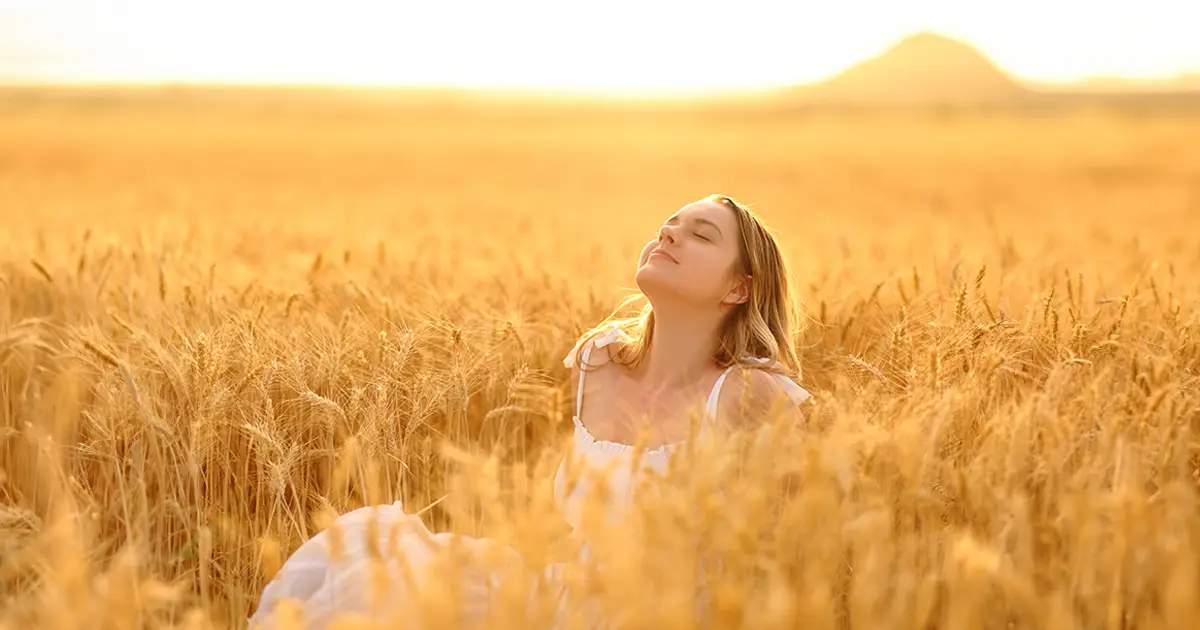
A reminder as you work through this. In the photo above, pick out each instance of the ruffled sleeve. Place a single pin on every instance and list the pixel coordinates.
(599, 341)
(569, 361)
(793, 389)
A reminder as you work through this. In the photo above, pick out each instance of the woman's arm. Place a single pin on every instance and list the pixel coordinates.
(756, 398)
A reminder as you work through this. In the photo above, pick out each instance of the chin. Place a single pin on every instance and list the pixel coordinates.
(647, 278)
(653, 283)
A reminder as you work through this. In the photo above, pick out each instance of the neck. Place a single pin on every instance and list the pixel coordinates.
(681, 347)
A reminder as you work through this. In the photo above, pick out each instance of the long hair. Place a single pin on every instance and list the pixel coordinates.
(761, 327)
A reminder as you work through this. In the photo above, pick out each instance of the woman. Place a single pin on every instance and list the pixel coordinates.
(716, 332)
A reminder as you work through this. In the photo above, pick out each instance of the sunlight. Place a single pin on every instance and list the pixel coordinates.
(624, 46)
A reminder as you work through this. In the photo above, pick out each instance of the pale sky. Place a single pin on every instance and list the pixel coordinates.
(618, 45)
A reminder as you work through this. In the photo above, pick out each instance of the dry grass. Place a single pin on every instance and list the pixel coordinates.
(224, 322)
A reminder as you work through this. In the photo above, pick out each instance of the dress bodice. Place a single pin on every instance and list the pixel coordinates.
(614, 459)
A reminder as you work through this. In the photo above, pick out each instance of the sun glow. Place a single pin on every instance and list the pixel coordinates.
(622, 45)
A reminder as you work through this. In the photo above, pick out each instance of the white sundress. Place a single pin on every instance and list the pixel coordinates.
(326, 588)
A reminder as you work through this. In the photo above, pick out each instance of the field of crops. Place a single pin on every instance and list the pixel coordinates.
(224, 320)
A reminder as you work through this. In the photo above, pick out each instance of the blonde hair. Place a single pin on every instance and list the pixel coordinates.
(759, 328)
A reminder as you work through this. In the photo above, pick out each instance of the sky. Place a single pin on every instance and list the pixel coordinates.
(605, 45)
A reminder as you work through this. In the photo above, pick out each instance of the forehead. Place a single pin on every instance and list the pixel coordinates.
(718, 213)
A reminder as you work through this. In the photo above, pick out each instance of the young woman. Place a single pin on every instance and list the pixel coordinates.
(715, 335)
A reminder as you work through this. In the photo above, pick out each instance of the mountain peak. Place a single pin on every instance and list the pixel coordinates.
(930, 41)
(923, 68)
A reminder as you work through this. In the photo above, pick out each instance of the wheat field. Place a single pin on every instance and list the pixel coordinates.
(228, 318)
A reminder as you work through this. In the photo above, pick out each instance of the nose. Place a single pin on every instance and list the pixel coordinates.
(667, 233)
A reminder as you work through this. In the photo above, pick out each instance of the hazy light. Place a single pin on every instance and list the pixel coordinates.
(615, 45)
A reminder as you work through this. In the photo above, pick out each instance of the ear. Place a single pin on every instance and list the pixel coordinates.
(740, 293)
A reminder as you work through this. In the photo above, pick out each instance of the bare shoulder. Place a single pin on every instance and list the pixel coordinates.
(593, 352)
(753, 396)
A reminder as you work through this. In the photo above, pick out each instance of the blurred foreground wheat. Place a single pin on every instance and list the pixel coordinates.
(221, 326)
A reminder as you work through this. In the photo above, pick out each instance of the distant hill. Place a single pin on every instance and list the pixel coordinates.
(932, 70)
(922, 69)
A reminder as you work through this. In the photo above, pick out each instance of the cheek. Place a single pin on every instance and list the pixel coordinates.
(707, 272)
(646, 252)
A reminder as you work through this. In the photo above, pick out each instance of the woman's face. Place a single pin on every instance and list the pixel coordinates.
(694, 257)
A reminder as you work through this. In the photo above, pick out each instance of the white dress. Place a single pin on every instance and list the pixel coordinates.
(331, 574)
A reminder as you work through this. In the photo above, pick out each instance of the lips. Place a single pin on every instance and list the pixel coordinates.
(660, 252)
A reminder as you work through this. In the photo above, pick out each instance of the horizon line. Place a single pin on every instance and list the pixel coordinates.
(1167, 83)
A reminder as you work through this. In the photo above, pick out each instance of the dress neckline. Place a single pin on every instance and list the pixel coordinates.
(618, 447)
(611, 335)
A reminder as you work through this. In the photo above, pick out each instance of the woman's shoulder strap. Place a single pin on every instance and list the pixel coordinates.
(794, 391)
(588, 342)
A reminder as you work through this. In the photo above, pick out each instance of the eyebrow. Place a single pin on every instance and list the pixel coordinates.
(701, 220)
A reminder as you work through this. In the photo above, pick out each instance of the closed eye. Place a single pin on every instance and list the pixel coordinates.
(702, 237)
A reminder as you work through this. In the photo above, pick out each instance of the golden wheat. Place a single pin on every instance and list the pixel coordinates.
(225, 324)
